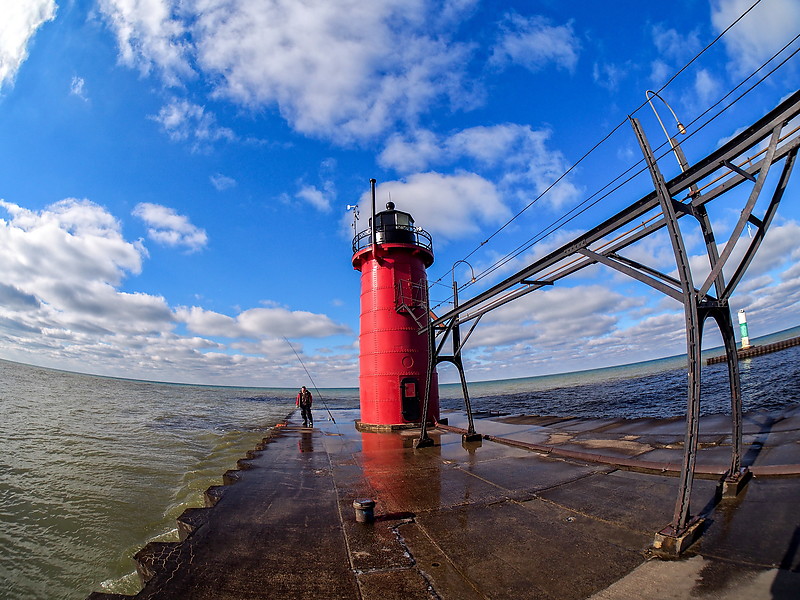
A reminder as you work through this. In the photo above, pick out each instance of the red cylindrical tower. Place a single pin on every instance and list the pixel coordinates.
(393, 355)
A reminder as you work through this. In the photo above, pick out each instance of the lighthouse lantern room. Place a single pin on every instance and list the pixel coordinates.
(392, 255)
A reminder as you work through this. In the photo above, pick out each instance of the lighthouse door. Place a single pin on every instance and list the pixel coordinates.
(409, 392)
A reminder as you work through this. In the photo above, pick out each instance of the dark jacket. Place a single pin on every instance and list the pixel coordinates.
(304, 398)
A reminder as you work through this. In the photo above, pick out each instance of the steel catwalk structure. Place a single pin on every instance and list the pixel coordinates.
(686, 195)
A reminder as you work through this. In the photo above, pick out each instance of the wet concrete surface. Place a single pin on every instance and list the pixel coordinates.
(487, 520)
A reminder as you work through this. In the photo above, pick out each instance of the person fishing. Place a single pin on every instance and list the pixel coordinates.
(303, 389)
(304, 401)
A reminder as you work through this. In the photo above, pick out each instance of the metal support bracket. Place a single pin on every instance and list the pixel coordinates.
(536, 282)
(670, 543)
(689, 299)
(739, 170)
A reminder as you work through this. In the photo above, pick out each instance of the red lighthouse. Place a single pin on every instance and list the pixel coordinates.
(393, 355)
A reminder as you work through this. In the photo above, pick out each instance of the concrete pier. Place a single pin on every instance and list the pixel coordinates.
(545, 508)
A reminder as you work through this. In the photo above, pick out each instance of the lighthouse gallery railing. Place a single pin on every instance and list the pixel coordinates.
(388, 234)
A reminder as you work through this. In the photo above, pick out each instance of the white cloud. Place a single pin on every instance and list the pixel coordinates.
(315, 197)
(448, 206)
(529, 166)
(498, 265)
(416, 153)
(69, 238)
(534, 44)
(14, 298)
(772, 306)
(258, 323)
(206, 322)
(61, 306)
(61, 269)
(778, 250)
(344, 69)
(674, 49)
(517, 156)
(674, 45)
(706, 87)
(183, 121)
(554, 329)
(455, 10)
(78, 88)
(654, 251)
(345, 65)
(150, 34)
(551, 306)
(489, 145)
(609, 75)
(222, 182)
(758, 35)
(320, 197)
(659, 72)
(19, 21)
(283, 322)
(167, 227)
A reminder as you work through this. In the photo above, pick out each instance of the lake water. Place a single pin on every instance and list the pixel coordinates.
(94, 468)
(655, 388)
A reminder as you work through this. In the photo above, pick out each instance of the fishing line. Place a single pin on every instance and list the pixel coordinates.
(316, 389)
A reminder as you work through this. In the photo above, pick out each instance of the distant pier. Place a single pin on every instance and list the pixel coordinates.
(757, 350)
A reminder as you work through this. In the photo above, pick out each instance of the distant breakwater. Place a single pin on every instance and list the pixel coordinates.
(760, 350)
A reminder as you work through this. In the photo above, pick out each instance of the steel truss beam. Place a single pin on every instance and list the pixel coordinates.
(684, 183)
(722, 171)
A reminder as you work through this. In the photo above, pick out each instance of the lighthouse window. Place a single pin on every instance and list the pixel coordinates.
(394, 226)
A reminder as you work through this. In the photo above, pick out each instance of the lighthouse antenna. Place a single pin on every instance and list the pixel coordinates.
(354, 208)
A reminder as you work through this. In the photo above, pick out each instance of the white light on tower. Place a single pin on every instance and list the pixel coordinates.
(743, 329)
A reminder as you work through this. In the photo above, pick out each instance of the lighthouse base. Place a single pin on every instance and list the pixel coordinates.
(388, 428)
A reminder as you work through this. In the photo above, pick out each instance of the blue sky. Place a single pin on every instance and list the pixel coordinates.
(174, 175)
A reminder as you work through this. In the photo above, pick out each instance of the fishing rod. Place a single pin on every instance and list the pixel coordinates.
(316, 389)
